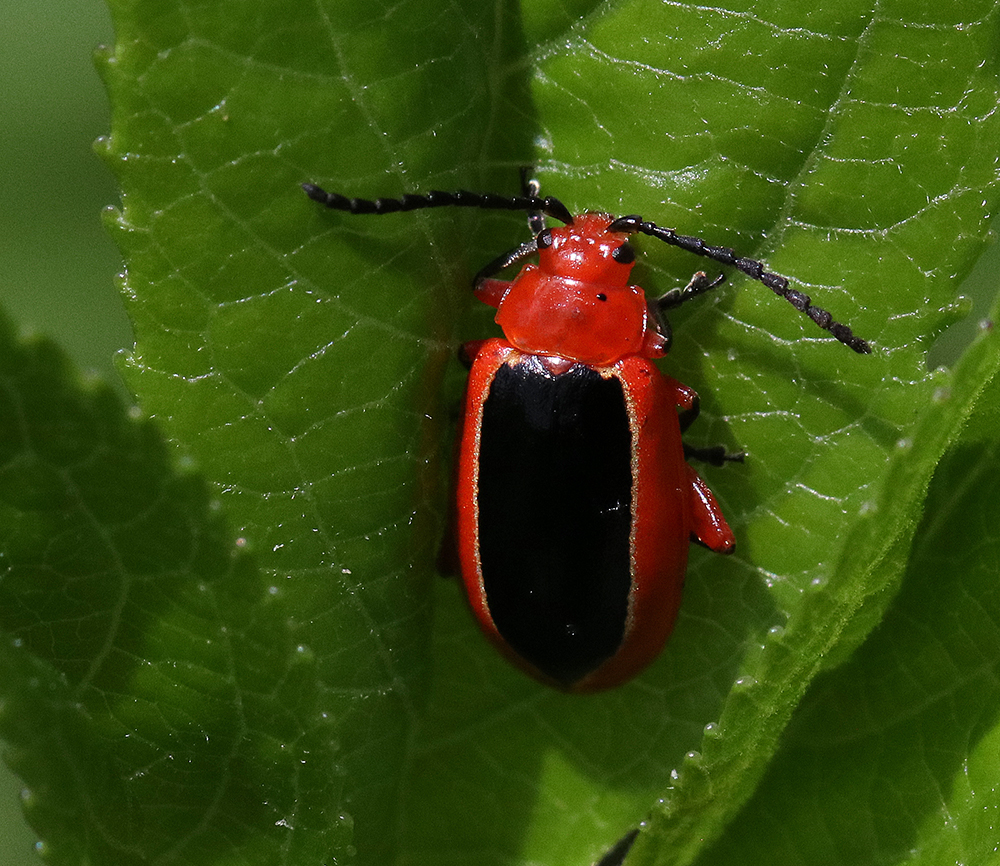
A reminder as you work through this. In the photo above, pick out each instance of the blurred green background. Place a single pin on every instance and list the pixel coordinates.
(58, 261)
(59, 264)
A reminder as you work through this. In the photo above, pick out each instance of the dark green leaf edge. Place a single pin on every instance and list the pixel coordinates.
(869, 572)
(892, 757)
(138, 701)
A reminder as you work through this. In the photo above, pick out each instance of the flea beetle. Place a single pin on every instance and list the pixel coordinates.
(574, 501)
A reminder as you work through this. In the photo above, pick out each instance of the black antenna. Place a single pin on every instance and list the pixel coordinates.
(435, 198)
(752, 268)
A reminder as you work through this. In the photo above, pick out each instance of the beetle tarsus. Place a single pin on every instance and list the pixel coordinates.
(699, 284)
(713, 455)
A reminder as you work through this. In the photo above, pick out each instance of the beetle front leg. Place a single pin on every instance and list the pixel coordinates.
(491, 291)
(698, 285)
(511, 257)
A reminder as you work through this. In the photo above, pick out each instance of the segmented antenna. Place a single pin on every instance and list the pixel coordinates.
(435, 198)
(752, 268)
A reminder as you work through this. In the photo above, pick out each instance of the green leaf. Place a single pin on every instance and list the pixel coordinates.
(147, 714)
(893, 757)
(220, 707)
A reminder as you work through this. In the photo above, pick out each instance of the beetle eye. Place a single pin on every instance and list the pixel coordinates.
(601, 296)
(544, 239)
(624, 254)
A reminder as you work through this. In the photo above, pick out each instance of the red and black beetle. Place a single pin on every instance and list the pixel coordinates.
(574, 502)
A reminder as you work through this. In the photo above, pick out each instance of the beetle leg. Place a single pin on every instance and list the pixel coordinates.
(708, 525)
(690, 410)
(467, 352)
(491, 291)
(531, 188)
(714, 455)
(525, 250)
(690, 407)
(615, 856)
(699, 284)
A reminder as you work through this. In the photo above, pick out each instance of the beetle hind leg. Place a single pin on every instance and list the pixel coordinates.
(708, 524)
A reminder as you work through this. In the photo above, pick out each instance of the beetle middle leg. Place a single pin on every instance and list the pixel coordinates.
(714, 455)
